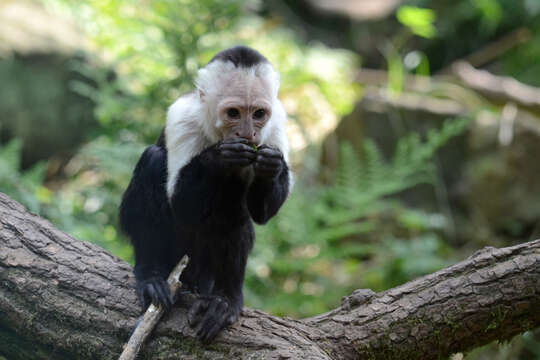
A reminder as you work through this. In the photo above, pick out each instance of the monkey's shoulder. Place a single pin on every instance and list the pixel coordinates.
(187, 108)
(153, 161)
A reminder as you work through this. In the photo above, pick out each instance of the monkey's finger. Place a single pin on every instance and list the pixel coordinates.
(235, 140)
(238, 160)
(240, 163)
(210, 333)
(164, 294)
(167, 292)
(223, 319)
(269, 152)
(144, 299)
(238, 154)
(266, 171)
(193, 314)
(268, 147)
(269, 160)
(211, 318)
(267, 166)
(153, 294)
(237, 147)
(232, 318)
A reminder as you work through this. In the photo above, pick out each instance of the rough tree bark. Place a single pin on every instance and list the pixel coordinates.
(61, 298)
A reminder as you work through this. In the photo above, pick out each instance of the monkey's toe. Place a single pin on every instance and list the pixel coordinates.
(211, 315)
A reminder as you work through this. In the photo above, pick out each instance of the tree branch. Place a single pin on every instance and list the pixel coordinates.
(501, 88)
(465, 82)
(62, 298)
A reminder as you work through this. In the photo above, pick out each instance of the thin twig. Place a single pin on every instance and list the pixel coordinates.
(152, 315)
(505, 88)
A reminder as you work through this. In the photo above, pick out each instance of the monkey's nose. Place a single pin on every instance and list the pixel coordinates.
(246, 135)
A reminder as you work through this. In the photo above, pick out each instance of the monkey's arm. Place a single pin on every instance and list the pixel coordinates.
(146, 218)
(270, 187)
(210, 187)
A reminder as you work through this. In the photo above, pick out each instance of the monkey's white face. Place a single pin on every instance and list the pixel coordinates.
(244, 105)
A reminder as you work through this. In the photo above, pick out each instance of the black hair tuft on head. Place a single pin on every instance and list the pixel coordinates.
(240, 56)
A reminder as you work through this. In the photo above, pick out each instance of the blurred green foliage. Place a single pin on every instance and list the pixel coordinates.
(24, 186)
(419, 20)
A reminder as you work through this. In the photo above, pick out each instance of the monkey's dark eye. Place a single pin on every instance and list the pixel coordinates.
(233, 113)
(259, 114)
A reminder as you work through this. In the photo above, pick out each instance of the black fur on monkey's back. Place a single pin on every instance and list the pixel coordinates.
(209, 217)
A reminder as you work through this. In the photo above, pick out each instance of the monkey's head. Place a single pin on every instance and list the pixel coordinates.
(239, 89)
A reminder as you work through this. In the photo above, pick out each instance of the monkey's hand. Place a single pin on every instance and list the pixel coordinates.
(233, 153)
(269, 162)
(210, 314)
(154, 290)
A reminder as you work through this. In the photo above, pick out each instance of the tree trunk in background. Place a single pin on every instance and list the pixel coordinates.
(66, 299)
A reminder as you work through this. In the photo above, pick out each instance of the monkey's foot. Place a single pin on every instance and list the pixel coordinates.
(210, 314)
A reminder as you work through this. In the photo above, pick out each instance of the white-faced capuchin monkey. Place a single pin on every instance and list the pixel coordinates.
(220, 164)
